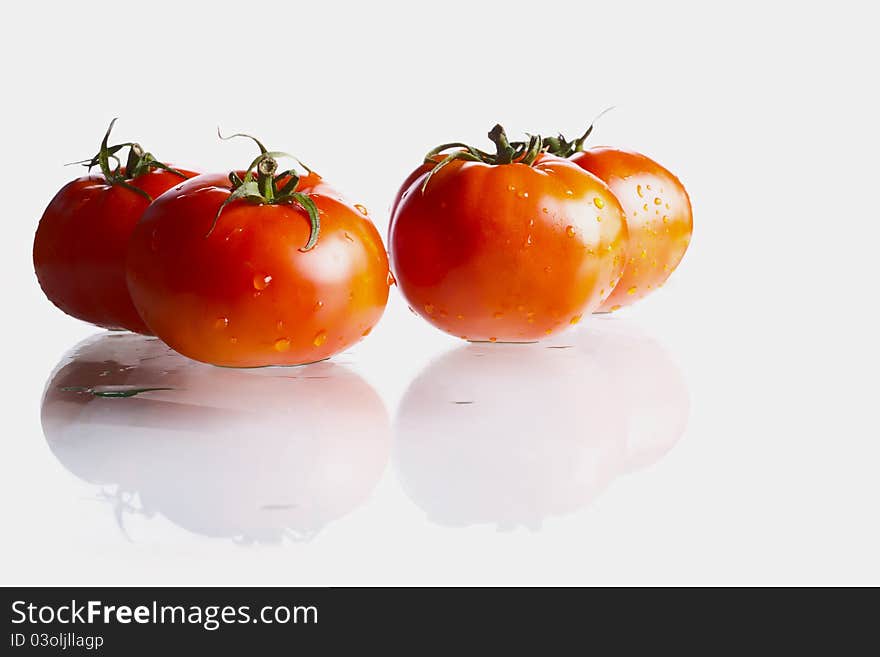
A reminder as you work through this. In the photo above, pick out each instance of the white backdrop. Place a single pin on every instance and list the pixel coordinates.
(766, 111)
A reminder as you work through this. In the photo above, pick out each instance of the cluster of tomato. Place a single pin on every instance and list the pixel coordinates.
(273, 267)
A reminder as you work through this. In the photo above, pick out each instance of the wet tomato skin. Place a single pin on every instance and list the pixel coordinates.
(405, 190)
(508, 253)
(244, 294)
(658, 216)
(81, 243)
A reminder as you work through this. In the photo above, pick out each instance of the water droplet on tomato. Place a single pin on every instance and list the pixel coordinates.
(568, 192)
(657, 200)
(633, 289)
(429, 308)
(366, 332)
(570, 231)
(511, 188)
(360, 208)
(598, 202)
(320, 339)
(493, 339)
(599, 219)
(221, 323)
(261, 281)
(523, 195)
(282, 344)
(348, 237)
(613, 308)
(639, 191)
(645, 207)
(319, 305)
(233, 340)
(575, 319)
(545, 210)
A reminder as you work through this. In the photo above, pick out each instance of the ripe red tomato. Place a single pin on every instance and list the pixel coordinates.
(510, 247)
(82, 239)
(658, 216)
(277, 270)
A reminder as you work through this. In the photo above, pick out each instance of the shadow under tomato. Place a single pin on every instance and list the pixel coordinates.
(509, 434)
(250, 455)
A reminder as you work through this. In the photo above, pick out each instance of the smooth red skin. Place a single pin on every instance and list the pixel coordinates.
(503, 253)
(81, 244)
(404, 191)
(201, 294)
(659, 233)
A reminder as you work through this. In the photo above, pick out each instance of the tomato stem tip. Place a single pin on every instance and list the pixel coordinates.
(262, 184)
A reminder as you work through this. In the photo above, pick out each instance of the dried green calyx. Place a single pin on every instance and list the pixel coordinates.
(506, 152)
(137, 163)
(562, 147)
(263, 184)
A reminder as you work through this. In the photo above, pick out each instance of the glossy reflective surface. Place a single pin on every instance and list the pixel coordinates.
(511, 434)
(249, 456)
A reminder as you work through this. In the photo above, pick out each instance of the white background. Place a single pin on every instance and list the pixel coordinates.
(767, 112)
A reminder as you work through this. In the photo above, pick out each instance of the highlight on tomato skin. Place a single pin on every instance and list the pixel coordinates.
(510, 247)
(81, 241)
(658, 215)
(258, 268)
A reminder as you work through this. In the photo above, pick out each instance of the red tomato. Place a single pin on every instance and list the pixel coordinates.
(506, 251)
(251, 287)
(658, 216)
(82, 239)
(405, 190)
